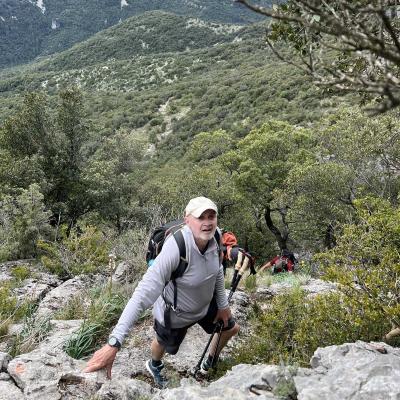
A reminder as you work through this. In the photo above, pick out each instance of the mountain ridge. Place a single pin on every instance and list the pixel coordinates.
(29, 29)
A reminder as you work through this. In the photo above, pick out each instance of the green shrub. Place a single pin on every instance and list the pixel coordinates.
(34, 330)
(24, 221)
(334, 320)
(7, 302)
(366, 263)
(79, 253)
(295, 326)
(20, 273)
(104, 309)
(250, 283)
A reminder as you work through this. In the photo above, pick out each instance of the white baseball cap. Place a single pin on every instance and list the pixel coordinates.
(198, 205)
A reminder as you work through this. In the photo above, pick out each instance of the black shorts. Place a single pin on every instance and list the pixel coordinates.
(172, 339)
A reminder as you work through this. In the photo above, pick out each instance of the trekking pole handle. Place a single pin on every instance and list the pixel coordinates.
(239, 261)
(244, 266)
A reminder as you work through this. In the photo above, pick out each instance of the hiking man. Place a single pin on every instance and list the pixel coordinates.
(201, 296)
(280, 263)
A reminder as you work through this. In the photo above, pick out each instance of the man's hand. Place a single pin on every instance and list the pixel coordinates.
(103, 358)
(223, 314)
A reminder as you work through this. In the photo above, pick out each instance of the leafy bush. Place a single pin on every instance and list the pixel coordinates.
(10, 307)
(295, 326)
(21, 272)
(23, 221)
(366, 263)
(81, 252)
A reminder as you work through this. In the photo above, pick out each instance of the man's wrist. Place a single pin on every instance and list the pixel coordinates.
(114, 342)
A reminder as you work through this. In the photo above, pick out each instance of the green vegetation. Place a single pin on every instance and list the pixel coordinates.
(117, 136)
(14, 310)
(20, 272)
(79, 253)
(295, 325)
(142, 36)
(366, 264)
(103, 311)
(34, 330)
(23, 221)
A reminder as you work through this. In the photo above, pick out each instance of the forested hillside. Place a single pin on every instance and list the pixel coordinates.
(188, 77)
(225, 84)
(31, 28)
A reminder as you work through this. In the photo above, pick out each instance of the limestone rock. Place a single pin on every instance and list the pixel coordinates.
(311, 286)
(8, 390)
(356, 371)
(236, 384)
(60, 296)
(35, 289)
(4, 360)
(125, 389)
(122, 274)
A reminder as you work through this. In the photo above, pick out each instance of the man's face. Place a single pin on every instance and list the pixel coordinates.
(203, 228)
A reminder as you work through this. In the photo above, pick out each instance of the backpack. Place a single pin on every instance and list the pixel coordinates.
(158, 237)
(229, 241)
(156, 242)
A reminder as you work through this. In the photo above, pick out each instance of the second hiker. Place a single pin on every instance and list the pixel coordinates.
(284, 262)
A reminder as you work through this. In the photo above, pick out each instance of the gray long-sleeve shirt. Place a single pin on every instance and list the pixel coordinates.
(196, 287)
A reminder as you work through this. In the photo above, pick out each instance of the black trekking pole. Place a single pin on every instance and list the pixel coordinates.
(218, 327)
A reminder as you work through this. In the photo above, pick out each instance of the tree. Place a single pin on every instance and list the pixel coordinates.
(321, 197)
(112, 177)
(366, 261)
(68, 193)
(23, 221)
(261, 165)
(28, 133)
(357, 156)
(346, 45)
(36, 147)
(368, 146)
(25, 143)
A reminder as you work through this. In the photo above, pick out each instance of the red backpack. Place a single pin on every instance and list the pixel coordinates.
(229, 240)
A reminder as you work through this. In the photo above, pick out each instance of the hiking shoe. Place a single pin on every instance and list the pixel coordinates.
(155, 372)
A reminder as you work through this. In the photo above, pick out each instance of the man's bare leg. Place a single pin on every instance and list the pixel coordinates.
(155, 365)
(157, 351)
(225, 336)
